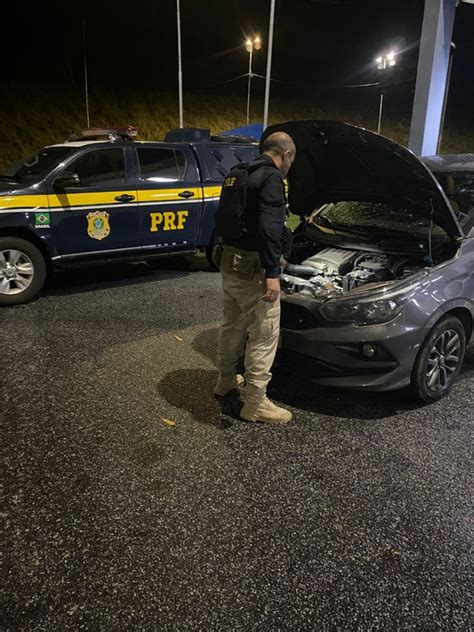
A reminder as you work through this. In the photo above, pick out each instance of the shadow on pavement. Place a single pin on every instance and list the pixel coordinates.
(334, 402)
(192, 390)
(103, 277)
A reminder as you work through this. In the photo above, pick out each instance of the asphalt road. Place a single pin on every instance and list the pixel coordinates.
(354, 517)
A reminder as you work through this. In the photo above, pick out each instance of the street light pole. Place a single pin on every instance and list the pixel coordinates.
(379, 126)
(383, 62)
(86, 82)
(180, 70)
(250, 49)
(250, 45)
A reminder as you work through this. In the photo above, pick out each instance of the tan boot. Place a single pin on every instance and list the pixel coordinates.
(226, 384)
(267, 412)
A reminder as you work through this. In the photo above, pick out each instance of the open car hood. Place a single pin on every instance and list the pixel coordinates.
(340, 162)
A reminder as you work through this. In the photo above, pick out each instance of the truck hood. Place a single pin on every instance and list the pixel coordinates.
(340, 162)
(10, 187)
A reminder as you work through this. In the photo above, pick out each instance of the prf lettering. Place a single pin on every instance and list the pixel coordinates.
(230, 181)
(168, 220)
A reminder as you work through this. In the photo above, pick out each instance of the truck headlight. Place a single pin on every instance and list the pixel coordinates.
(372, 308)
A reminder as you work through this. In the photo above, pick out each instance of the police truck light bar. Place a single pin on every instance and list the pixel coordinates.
(112, 134)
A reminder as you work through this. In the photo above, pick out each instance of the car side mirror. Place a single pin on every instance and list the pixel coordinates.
(66, 179)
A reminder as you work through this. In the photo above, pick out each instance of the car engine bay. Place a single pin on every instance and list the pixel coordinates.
(337, 271)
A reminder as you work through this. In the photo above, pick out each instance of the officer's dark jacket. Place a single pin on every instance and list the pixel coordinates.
(265, 215)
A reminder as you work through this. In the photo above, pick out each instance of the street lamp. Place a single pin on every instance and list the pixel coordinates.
(383, 62)
(251, 45)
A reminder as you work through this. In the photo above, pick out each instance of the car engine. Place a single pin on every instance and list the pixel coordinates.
(334, 271)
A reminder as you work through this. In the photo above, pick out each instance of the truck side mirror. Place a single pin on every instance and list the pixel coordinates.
(66, 179)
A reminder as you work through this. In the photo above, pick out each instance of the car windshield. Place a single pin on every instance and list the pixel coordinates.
(459, 189)
(38, 165)
(374, 218)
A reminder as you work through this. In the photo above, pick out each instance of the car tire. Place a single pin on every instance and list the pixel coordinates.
(439, 360)
(31, 271)
(209, 250)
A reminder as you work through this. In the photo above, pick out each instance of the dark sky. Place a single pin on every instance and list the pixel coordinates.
(316, 45)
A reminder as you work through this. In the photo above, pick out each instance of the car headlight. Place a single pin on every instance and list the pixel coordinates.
(372, 308)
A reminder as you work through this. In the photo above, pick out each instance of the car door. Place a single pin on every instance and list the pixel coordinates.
(169, 196)
(97, 206)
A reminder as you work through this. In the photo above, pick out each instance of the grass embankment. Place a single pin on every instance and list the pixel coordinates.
(30, 118)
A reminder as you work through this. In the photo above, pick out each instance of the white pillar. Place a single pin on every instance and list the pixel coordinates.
(432, 75)
(269, 64)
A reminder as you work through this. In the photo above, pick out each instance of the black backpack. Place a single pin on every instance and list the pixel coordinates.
(230, 214)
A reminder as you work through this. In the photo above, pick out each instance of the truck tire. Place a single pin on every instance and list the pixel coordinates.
(22, 271)
(439, 360)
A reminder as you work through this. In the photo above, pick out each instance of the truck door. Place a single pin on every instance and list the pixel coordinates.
(169, 196)
(95, 211)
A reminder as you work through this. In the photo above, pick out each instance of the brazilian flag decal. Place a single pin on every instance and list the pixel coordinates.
(42, 220)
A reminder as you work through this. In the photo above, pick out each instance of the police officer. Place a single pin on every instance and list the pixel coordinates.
(250, 269)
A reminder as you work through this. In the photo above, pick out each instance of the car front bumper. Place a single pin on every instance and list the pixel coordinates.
(341, 355)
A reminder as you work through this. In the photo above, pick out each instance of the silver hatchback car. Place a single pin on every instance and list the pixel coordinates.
(379, 293)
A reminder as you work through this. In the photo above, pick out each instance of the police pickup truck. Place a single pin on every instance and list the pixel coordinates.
(104, 197)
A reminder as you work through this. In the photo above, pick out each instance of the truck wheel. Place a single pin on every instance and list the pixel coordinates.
(209, 249)
(439, 360)
(22, 271)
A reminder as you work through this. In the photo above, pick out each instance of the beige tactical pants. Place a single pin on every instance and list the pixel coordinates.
(250, 326)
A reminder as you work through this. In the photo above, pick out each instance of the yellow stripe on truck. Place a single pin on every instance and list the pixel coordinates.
(23, 201)
(167, 195)
(64, 200)
(70, 200)
(210, 192)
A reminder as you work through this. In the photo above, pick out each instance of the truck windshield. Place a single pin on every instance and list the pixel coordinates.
(38, 165)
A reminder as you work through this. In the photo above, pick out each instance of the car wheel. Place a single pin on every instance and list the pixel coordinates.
(209, 249)
(439, 360)
(22, 271)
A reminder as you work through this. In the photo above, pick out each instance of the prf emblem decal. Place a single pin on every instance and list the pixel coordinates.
(98, 226)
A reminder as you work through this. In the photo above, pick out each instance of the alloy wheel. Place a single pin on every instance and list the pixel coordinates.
(16, 272)
(443, 361)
